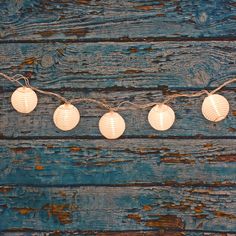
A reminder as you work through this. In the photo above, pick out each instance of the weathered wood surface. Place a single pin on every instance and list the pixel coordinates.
(146, 162)
(39, 123)
(177, 65)
(176, 183)
(117, 233)
(112, 20)
(118, 208)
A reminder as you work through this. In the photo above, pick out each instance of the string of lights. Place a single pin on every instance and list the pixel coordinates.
(161, 117)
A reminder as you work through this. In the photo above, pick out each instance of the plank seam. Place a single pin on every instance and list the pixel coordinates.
(200, 137)
(131, 185)
(122, 40)
(107, 231)
(134, 89)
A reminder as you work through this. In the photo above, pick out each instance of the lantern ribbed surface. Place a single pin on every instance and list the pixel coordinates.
(161, 117)
(111, 125)
(215, 107)
(24, 100)
(66, 117)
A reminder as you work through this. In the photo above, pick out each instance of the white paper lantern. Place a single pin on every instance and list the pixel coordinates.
(215, 107)
(161, 117)
(66, 117)
(111, 125)
(24, 99)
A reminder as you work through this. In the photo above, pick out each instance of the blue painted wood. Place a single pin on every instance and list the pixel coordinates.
(118, 208)
(173, 65)
(118, 233)
(180, 182)
(122, 162)
(111, 19)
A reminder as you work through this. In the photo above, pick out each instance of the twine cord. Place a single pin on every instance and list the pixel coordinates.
(78, 100)
(197, 94)
(223, 85)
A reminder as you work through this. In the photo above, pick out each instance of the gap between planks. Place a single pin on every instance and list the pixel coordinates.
(125, 233)
(133, 89)
(197, 137)
(122, 40)
(130, 185)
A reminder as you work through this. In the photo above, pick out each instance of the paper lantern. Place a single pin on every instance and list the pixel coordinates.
(66, 117)
(215, 107)
(111, 125)
(24, 99)
(161, 117)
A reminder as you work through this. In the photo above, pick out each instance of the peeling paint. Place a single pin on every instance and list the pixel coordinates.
(39, 167)
(24, 211)
(166, 221)
(60, 211)
(135, 217)
(147, 208)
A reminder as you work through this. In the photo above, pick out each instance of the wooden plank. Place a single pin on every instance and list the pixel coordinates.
(39, 124)
(146, 65)
(111, 19)
(116, 208)
(117, 233)
(140, 162)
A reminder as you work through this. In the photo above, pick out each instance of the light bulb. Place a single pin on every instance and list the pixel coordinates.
(215, 107)
(161, 117)
(66, 117)
(111, 125)
(24, 99)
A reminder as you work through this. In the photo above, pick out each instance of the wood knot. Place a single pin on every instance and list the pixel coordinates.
(47, 61)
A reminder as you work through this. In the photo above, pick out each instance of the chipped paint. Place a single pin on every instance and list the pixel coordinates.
(60, 211)
(182, 206)
(135, 217)
(5, 189)
(24, 211)
(19, 150)
(147, 208)
(75, 149)
(39, 167)
(224, 214)
(28, 61)
(166, 221)
(149, 7)
(172, 160)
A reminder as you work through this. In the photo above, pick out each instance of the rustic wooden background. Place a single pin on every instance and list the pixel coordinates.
(179, 182)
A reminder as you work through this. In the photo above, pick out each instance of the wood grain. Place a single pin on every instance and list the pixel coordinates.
(128, 162)
(118, 208)
(39, 124)
(115, 20)
(175, 183)
(117, 66)
(117, 233)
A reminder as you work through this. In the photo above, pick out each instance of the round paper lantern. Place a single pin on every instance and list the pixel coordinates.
(111, 125)
(24, 99)
(215, 107)
(66, 117)
(161, 117)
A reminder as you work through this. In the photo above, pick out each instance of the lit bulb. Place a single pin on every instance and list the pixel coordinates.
(66, 117)
(161, 117)
(24, 99)
(111, 125)
(215, 107)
